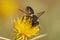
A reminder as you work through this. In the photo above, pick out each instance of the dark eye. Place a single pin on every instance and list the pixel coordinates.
(29, 10)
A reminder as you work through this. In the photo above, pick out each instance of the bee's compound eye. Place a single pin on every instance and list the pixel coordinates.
(29, 10)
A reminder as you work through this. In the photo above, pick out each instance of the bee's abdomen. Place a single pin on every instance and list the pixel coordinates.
(35, 23)
(34, 20)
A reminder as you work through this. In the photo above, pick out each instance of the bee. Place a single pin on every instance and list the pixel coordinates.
(30, 13)
(23, 27)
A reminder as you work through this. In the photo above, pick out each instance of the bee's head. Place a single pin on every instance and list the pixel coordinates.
(29, 10)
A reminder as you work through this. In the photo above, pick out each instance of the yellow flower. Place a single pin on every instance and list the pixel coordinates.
(23, 27)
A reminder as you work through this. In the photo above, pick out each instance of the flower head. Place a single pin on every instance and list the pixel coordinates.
(23, 27)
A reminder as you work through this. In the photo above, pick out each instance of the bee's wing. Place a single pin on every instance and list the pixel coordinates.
(23, 11)
(40, 14)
